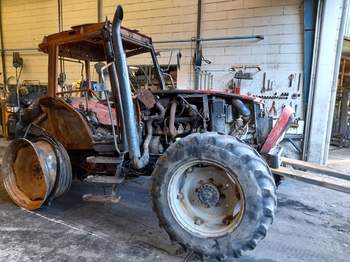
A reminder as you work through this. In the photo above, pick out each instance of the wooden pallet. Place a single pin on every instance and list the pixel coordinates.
(314, 174)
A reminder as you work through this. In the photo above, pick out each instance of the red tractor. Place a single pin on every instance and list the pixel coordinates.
(209, 152)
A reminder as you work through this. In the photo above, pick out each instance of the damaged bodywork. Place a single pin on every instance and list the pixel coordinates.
(201, 147)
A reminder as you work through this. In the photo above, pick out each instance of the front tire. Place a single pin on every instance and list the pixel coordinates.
(214, 195)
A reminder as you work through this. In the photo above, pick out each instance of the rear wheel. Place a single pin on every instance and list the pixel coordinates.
(214, 195)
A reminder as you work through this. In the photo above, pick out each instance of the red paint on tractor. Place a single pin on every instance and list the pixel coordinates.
(278, 130)
(99, 109)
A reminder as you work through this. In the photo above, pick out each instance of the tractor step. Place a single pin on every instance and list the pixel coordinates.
(103, 160)
(101, 199)
(105, 179)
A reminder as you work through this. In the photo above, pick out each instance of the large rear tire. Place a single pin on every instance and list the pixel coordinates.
(214, 195)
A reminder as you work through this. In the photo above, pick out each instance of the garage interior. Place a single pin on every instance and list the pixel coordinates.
(289, 54)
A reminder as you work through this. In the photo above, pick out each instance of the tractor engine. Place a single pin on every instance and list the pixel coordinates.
(164, 117)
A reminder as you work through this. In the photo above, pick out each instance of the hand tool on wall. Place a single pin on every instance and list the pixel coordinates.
(290, 78)
(299, 81)
(295, 95)
(273, 97)
(263, 89)
(273, 109)
(270, 87)
(241, 74)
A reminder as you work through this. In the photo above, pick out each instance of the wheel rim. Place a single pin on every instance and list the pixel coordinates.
(206, 199)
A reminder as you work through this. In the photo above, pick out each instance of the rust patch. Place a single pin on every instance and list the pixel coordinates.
(147, 98)
(28, 173)
(66, 124)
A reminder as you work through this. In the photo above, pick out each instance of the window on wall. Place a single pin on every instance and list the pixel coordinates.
(347, 28)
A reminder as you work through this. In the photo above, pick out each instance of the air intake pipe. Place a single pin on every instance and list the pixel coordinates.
(242, 108)
(137, 161)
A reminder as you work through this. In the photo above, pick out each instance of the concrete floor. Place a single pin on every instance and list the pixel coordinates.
(312, 224)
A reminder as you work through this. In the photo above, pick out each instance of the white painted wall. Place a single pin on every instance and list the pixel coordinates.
(279, 54)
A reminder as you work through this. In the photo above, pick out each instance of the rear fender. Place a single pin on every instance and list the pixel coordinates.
(66, 124)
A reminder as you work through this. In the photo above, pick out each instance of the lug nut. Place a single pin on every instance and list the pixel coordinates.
(180, 196)
(227, 220)
(226, 186)
(198, 221)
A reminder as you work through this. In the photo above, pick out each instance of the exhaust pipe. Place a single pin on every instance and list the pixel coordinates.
(137, 161)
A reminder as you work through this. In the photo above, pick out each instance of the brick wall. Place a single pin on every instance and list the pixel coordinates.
(279, 54)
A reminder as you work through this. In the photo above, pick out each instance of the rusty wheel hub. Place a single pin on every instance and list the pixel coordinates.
(208, 194)
(205, 198)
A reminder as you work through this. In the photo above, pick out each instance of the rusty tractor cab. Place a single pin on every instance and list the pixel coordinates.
(209, 152)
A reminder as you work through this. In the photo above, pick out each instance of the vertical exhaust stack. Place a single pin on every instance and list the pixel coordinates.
(137, 161)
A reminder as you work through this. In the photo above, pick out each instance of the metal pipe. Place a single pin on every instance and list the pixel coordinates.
(172, 129)
(119, 106)
(198, 51)
(3, 58)
(60, 15)
(197, 73)
(158, 69)
(99, 10)
(112, 122)
(200, 77)
(211, 39)
(113, 80)
(137, 161)
(99, 20)
(60, 29)
(109, 108)
(199, 20)
(147, 140)
(143, 161)
(241, 108)
(18, 49)
(208, 81)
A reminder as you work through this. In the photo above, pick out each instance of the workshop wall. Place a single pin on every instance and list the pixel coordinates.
(280, 54)
(25, 23)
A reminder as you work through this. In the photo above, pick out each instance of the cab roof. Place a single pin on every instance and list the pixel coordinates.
(86, 42)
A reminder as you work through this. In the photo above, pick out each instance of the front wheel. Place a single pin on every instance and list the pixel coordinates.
(214, 195)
